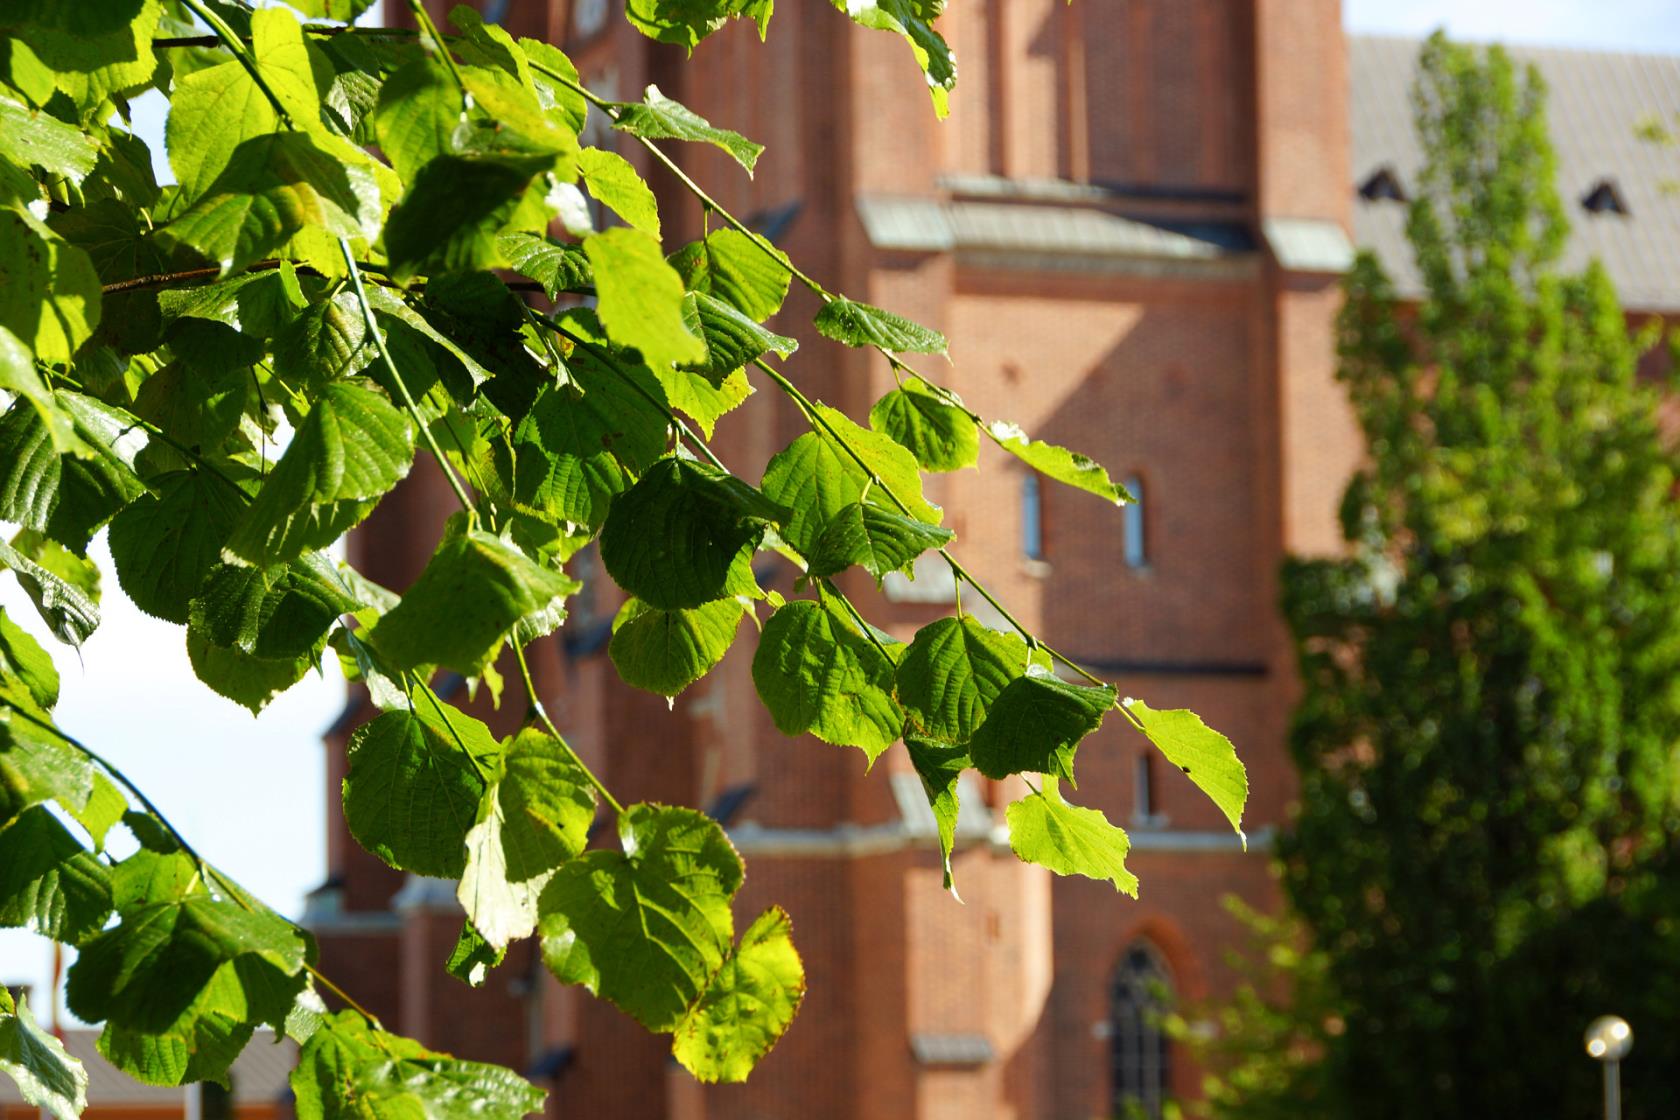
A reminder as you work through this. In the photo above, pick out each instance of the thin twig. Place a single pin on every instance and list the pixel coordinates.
(391, 367)
(542, 714)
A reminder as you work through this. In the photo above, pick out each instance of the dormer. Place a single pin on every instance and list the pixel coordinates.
(1383, 185)
(1605, 197)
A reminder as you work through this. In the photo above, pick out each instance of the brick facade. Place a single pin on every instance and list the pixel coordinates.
(1208, 377)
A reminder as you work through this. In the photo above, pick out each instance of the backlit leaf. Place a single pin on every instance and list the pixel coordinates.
(1059, 463)
(411, 792)
(657, 117)
(1035, 724)
(816, 672)
(747, 1006)
(666, 651)
(859, 324)
(646, 927)
(1206, 757)
(1069, 840)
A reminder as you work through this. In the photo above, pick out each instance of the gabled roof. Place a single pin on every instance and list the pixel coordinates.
(1596, 103)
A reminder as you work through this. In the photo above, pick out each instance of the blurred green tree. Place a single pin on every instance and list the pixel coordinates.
(1485, 853)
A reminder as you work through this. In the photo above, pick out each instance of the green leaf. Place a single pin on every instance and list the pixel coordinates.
(418, 110)
(1058, 463)
(558, 268)
(472, 958)
(1046, 830)
(473, 591)
(105, 807)
(913, 19)
(732, 339)
(1206, 757)
(534, 816)
(350, 1071)
(272, 188)
(457, 205)
(185, 978)
(212, 112)
(939, 765)
(878, 540)
(941, 437)
(47, 1076)
(351, 449)
(18, 375)
(37, 765)
(746, 272)
(685, 22)
(275, 614)
(29, 137)
(49, 291)
(614, 183)
(106, 51)
(815, 479)
(288, 66)
(884, 458)
(657, 117)
(695, 396)
(67, 496)
(411, 792)
(246, 679)
(49, 883)
(572, 449)
(641, 297)
(859, 324)
(164, 545)
(327, 342)
(666, 651)
(344, 11)
(816, 672)
(25, 665)
(556, 96)
(646, 927)
(1035, 724)
(67, 609)
(682, 534)
(953, 673)
(748, 1005)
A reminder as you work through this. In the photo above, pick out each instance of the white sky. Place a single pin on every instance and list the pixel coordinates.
(1645, 26)
(249, 792)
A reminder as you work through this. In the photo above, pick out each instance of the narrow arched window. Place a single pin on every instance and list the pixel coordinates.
(1032, 518)
(1140, 1056)
(1134, 548)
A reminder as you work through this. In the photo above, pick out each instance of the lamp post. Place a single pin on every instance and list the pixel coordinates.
(1609, 1038)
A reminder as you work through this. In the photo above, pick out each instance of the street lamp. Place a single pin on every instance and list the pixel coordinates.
(1609, 1039)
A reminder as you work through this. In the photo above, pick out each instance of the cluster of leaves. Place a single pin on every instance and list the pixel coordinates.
(333, 263)
(1485, 857)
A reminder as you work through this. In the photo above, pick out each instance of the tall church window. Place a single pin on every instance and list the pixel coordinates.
(1032, 517)
(1140, 1056)
(1135, 549)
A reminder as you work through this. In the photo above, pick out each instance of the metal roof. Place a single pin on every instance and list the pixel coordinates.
(258, 1075)
(1595, 105)
(1023, 234)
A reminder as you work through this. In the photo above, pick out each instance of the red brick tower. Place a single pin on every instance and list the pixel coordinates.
(1129, 228)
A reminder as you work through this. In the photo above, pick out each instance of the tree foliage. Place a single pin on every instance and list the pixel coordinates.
(337, 258)
(1485, 857)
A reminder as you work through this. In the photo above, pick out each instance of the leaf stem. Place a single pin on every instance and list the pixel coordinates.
(437, 706)
(424, 18)
(242, 52)
(542, 714)
(391, 366)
